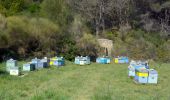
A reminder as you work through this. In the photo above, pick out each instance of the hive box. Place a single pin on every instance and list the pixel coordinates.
(153, 76)
(46, 62)
(140, 63)
(14, 71)
(28, 67)
(10, 63)
(131, 70)
(77, 60)
(38, 63)
(82, 60)
(122, 60)
(141, 75)
(52, 60)
(103, 60)
(57, 61)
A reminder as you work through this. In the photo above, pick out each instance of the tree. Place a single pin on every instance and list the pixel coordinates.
(57, 11)
(9, 7)
(102, 12)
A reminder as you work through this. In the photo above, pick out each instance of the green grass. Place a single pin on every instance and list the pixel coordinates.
(91, 82)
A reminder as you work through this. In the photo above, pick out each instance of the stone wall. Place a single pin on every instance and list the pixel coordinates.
(105, 43)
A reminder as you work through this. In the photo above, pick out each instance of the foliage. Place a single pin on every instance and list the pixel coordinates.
(56, 10)
(88, 45)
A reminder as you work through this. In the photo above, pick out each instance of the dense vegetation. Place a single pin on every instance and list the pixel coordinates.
(138, 28)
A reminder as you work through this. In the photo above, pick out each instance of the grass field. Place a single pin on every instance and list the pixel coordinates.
(91, 82)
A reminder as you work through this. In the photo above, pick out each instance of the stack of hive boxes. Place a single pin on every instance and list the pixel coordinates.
(103, 60)
(153, 76)
(28, 67)
(36, 64)
(57, 61)
(82, 60)
(11, 67)
(121, 60)
(141, 72)
(46, 62)
(141, 75)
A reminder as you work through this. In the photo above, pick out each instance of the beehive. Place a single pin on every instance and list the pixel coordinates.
(82, 60)
(46, 62)
(38, 63)
(10, 63)
(141, 75)
(28, 67)
(103, 60)
(52, 60)
(57, 61)
(116, 60)
(153, 76)
(14, 71)
(131, 70)
(121, 60)
(140, 63)
(77, 60)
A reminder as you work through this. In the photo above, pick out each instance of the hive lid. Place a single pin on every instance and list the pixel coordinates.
(11, 60)
(143, 70)
(152, 71)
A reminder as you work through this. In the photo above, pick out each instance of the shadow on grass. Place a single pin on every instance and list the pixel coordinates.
(3, 73)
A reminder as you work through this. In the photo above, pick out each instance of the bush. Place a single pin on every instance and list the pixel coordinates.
(163, 52)
(29, 35)
(88, 45)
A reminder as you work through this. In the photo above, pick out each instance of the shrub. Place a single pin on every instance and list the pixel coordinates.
(88, 45)
(32, 34)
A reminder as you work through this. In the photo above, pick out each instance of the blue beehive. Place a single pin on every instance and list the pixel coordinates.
(131, 70)
(103, 60)
(153, 76)
(87, 60)
(10, 64)
(38, 64)
(28, 67)
(98, 60)
(82, 60)
(46, 62)
(141, 75)
(134, 66)
(77, 60)
(144, 63)
(59, 61)
(123, 60)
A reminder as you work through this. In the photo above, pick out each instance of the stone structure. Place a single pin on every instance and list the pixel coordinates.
(107, 44)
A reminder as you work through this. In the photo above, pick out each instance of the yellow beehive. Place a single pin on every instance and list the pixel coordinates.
(116, 60)
(52, 61)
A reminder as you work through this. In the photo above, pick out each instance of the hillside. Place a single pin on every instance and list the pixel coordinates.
(139, 29)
